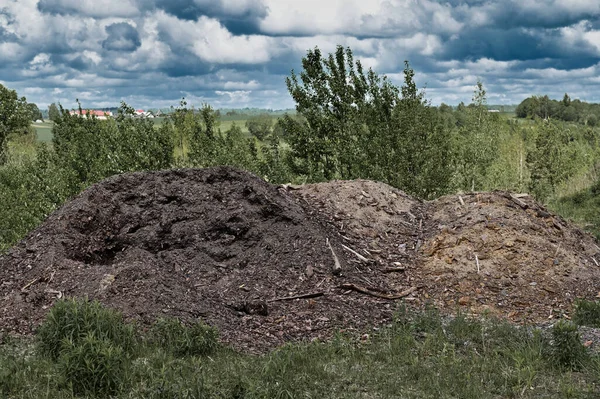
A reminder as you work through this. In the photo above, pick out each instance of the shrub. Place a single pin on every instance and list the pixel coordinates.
(71, 322)
(587, 313)
(92, 365)
(197, 339)
(567, 351)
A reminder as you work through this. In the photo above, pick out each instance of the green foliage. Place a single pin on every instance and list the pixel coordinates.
(356, 124)
(421, 355)
(274, 164)
(566, 110)
(330, 98)
(421, 144)
(53, 112)
(260, 126)
(587, 313)
(90, 149)
(567, 350)
(29, 191)
(92, 366)
(162, 377)
(476, 143)
(583, 207)
(34, 112)
(15, 117)
(552, 160)
(178, 339)
(71, 322)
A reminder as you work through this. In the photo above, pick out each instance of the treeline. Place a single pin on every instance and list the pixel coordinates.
(565, 110)
(349, 123)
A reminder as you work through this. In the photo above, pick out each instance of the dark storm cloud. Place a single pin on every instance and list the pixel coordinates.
(242, 19)
(518, 44)
(122, 37)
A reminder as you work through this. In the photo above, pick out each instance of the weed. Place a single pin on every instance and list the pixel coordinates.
(587, 313)
(72, 320)
(567, 351)
(197, 339)
(92, 366)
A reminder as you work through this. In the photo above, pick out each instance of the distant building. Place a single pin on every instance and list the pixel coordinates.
(493, 110)
(92, 112)
(140, 113)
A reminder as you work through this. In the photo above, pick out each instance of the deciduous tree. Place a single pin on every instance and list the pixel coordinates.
(15, 116)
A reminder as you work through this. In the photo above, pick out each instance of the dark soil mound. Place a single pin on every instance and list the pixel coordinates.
(268, 264)
(217, 244)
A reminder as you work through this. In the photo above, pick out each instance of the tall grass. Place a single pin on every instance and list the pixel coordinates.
(421, 354)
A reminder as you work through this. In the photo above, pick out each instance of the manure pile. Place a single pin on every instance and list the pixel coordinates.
(267, 264)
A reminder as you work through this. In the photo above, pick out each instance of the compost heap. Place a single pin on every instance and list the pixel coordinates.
(268, 264)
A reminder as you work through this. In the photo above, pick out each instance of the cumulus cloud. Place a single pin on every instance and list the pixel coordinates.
(238, 52)
(90, 8)
(121, 37)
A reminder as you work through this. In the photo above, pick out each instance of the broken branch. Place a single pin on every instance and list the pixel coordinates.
(393, 269)
(363, 290)
(35, 280)
(337, 267)
(517, 201)
(359, 256)
(299, 296)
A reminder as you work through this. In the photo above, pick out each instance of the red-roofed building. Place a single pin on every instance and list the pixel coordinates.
(92, 112)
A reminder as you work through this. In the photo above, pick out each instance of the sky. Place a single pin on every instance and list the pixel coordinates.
(237, 53)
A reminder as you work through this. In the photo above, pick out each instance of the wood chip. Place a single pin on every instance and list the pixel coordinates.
(363, 290)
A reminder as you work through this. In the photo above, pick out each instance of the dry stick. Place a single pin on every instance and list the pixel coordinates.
(30, 283)
(337, 267)
(595, 261)
(477, 261)
(461, 200)
(299, 296)
(518, 201)
(354, 287)
(359, 256)
(394, 269)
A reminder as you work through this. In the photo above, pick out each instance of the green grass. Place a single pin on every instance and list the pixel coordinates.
(419, 355)
(583, 208)
(43, 131)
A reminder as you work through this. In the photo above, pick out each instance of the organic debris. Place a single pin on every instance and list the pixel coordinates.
(268, 264)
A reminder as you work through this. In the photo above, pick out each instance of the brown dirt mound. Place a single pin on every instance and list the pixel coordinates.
(217, 244)
(484, 252)
(225, 246)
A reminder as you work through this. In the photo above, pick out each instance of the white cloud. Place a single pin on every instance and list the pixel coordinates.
(210, 41)
(357, 17)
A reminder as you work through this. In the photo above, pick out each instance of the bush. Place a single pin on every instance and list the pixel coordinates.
(196, 340)
(587, 313)
(71, 321)
(567, 351)
(92, 365)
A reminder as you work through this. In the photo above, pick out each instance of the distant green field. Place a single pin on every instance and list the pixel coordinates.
(43, 131)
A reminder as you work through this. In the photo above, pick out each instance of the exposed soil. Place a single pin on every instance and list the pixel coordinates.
(494, 252)
(223, 245)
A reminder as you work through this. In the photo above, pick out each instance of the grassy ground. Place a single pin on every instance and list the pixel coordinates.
(583, 208)
(43, 131)
(418, 356)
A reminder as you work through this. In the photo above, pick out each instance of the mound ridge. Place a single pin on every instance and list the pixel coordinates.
(260, 261)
